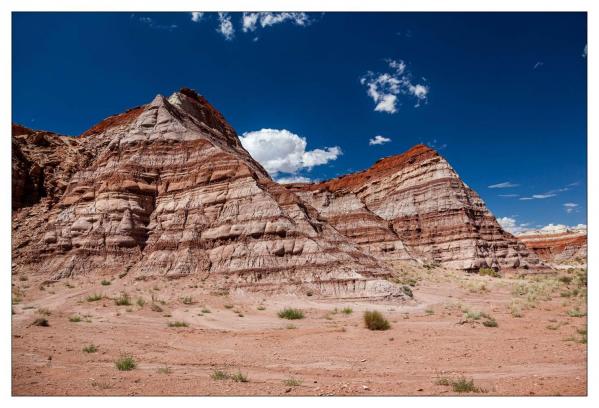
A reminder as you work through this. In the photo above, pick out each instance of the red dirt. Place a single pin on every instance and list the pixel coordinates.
(331, 353)
(115, 120)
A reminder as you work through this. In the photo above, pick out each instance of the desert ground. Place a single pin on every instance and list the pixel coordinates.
(460, 334)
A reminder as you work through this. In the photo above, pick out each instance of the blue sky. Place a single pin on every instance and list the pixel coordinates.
(501, 95)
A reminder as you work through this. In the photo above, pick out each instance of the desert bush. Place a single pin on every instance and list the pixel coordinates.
(164, 370)
(429, 311)
(228, 306)
(292, 382)
(41, 321)
(187, 300)
(489, 272)
(75, 319)
(206, 310)
(141, 302)
(291, 314)
(123, 300)
(347, 310)
(155, 308)
(490, 322)
(516, 308)
(220, 375)
(44, 311)
(374, 320)
(91, 348)
(125, 363)
(463, 385)
(576, 313)
(105, 282)
(443, 381)
(261, 307)
(177, 324)
(407, 290)
(565, 279)
(239, 377)
(94, 297)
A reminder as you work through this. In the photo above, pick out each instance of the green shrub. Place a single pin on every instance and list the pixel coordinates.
(93, 298)
(177, 324)
(141, 302)
(205, 310)
(105, 282)
(125, 363)
(123, 300)
(374, 320)
(488, 272)
(219, 375)
(75, 319)
(239, 377)
(463, 385)
(565, 279)
(91, 348)
(347, 310)
(576, 313)
(291, 314)
(187, 300)
(261, 307)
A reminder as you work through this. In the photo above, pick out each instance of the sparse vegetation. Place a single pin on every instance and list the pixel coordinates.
(125, 363)
(239, 377)
(75, 319)
(164, 370)
(155, 308)
(576, 313)
(407, 290)
(177, 324)
(291, 314)
(347, 310)
(261, 307)
(462, 385)
(489, 272)
(443, 381)
(206, 310)
(140, 302)
(374, 320)
(228, 306)
(565, 279)
(105, 282)
(187, 300)
(123, 300)
(41, 321)
(291, 327)
(93, 298)
(43, 311)
(292, 382)
(429, 311)
(219, 375)
(490, 322)
(91, 348)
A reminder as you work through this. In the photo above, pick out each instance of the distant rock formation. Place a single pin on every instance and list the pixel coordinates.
(414, 206)
(558, 244)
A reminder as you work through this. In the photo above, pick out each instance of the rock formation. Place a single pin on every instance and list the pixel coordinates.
(166, 189)
(559, 245)
(414, 206)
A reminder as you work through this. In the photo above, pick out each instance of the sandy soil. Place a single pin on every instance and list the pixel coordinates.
(328, 352)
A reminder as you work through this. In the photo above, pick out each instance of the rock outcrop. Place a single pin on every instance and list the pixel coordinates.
(167, 190)
(415, 206)
(558, 246)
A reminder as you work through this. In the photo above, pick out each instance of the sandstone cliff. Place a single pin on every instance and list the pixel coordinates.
(414, 206)
(167, 190)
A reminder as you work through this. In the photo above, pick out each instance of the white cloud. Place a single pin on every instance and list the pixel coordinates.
(281, 151)
(196, 16)
(509, 195)
(293, 179)
(556, 229)
(542, 196)
(512, 226)
(225, 26)
(538, 65)
(385, 88)
(571, 207)
(378, 140)
(251, 21)
(505, 184)
(435, 145)
(585, 51)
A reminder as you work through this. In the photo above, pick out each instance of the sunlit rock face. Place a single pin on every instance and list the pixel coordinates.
(414, 206)
(167, 190)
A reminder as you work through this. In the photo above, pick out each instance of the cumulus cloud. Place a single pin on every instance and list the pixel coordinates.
(505, 184)
(225, 26)
(281, 151)
(511, 225)
(251, 21)
(385, 88)
(378, 140)
(196, 16)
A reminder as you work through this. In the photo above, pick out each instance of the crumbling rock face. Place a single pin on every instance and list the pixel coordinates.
(170, 192)
(415, 206)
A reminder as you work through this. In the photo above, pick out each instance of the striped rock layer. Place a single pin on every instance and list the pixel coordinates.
(167, 190)
(559, 248)
(415, 206)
